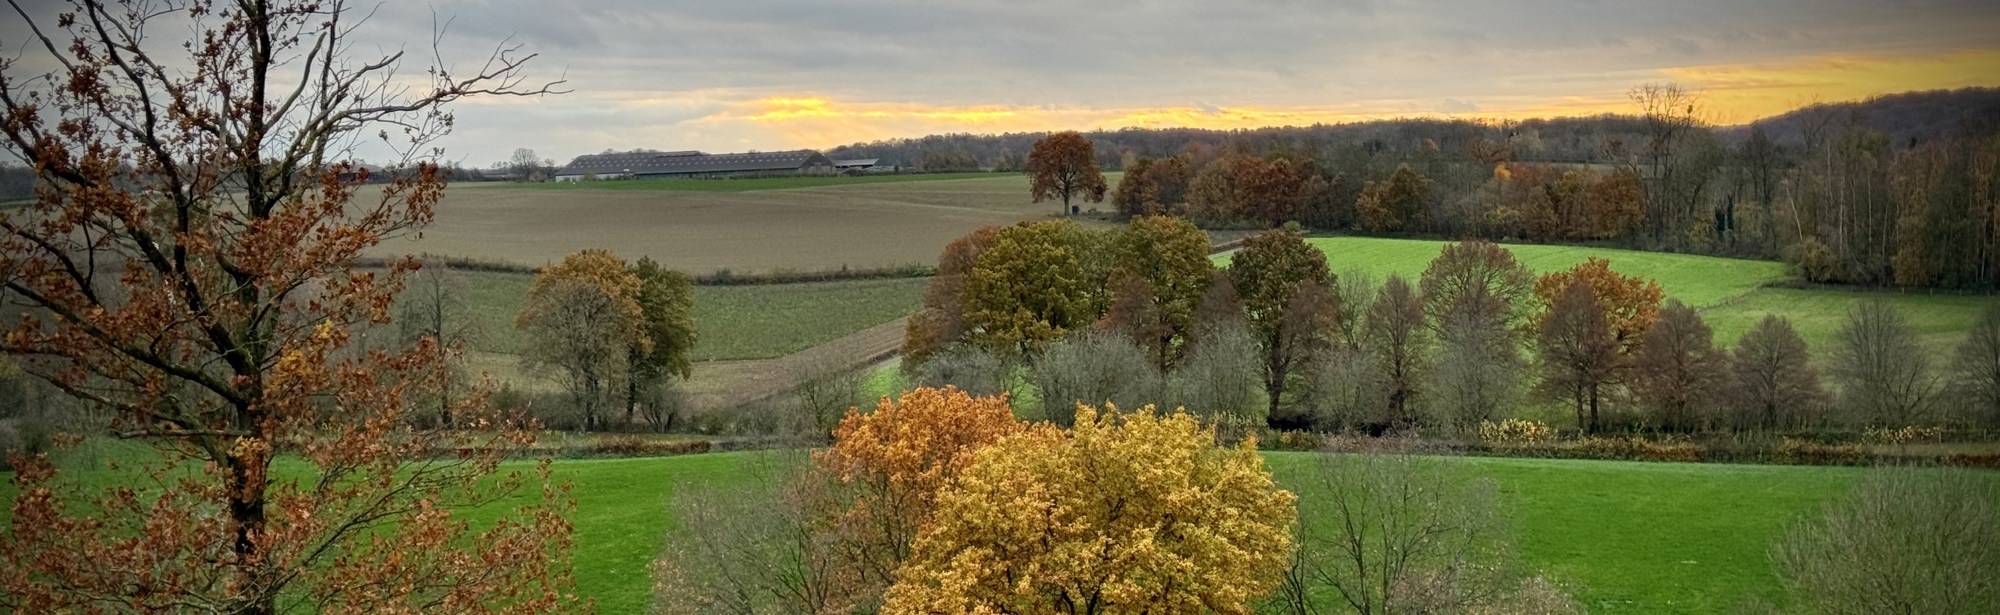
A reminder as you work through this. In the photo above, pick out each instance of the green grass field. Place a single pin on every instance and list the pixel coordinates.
(736, 322)
(1732, 294)
(748, 184)
(1623, 537)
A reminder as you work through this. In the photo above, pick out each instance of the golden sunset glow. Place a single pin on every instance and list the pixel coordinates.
(1730, 94)
(1740, 93)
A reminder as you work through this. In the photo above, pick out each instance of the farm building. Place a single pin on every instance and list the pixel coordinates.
(857, 165)
(694, 164)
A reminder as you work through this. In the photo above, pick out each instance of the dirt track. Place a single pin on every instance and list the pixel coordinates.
(728, 384)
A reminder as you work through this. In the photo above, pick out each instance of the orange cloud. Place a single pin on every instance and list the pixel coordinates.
(1743, 92)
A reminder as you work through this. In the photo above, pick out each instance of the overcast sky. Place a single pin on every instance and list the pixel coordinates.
(733, 75)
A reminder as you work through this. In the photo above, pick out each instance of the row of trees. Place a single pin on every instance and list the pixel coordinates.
(1140, 315)
(1842, 203)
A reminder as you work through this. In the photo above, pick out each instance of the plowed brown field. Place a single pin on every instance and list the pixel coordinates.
(802, 229)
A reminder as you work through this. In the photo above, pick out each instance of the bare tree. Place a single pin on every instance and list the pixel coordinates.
(1976, 369)
(824, 393)
(752, 546)
(1218, 378)
(1344, 388)
(1094, 369)
(1885, 377)
(1773, 384)
(1907, 540)
(1394, 533)
(1676, 368)
(1395, 331)
(433, 306)
(1479, 373)
(972, 369)
(526, 166)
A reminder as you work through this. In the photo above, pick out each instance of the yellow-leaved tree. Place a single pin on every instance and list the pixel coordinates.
(895, 460)
(1123, 513)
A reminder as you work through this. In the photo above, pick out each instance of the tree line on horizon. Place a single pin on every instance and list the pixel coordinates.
(1840, 194)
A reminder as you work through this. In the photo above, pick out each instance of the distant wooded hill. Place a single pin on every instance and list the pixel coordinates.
(1918, 116)
(1909, 118)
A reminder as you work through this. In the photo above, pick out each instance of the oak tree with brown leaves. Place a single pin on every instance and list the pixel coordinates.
(1064, 165)
(1631, 303)
(187, 267)
(1578, 353)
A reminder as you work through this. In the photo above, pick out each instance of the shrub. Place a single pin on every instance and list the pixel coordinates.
(1638, 449)
(1812, 260)
(1808, 452)
(1973, 460)
(1514, 432)
(1907, 540)
(1299, 441)
(635, 446)
(1898, 437)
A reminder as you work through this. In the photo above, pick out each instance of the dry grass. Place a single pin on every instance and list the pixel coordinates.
(805, 229)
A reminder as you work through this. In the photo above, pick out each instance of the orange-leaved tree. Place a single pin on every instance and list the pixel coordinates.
(1123, 513)
(1631, 303)
(894, 461)
(1395, 203)
(187, 268)
(1064, 165)
(825, 536)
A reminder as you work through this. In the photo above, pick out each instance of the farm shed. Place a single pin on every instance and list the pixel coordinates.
(694, 164)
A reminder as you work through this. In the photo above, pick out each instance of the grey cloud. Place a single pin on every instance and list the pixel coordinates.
(1098, 54)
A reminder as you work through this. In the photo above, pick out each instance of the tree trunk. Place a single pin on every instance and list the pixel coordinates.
(246, 482)
(1580, 424)
(631, 399)
(1594, 425)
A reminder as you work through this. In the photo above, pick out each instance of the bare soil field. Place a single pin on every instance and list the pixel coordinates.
(801, 229)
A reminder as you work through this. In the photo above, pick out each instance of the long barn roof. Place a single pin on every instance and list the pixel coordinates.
(658, 163)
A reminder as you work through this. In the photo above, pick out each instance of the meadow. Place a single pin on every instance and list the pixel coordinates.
(736, 322)
(1732, 294)
(1623, 537)
(745, 184)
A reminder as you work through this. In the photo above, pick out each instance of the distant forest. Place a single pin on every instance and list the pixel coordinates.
(1899, 190)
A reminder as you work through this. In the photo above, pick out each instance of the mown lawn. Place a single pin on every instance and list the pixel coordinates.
(736, 322)
(1732, 294)
(1622, 537)
(748, 184)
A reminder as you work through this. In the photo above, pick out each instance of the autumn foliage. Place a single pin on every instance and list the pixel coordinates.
(895, 460)
(1124, 513)
(187, 269)
(1630, 303)
(1064, 166)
